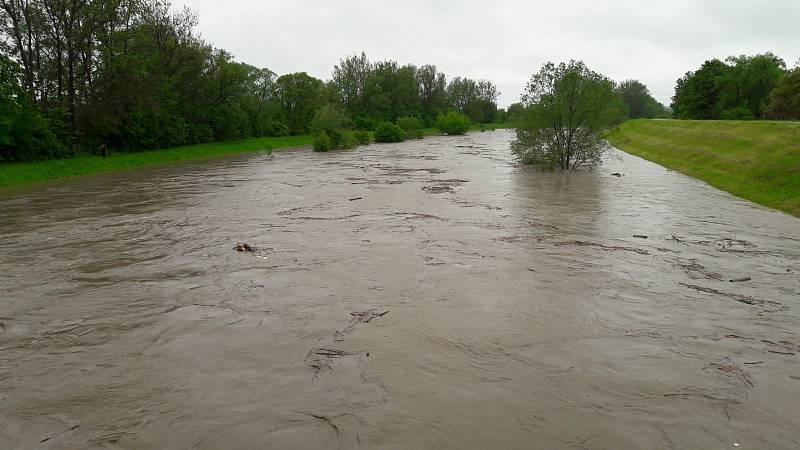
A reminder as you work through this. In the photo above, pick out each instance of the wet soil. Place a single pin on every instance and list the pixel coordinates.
(429, 294)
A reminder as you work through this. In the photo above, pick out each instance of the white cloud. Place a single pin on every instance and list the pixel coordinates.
(504, 41)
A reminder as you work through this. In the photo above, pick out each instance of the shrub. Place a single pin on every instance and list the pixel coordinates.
(453, 123)
(330, 130)
(363, 137)
(412, 126)
(328, 120)
(739, 113)
(347, 140)
(389, 132)
(322, 142)
(409, 123)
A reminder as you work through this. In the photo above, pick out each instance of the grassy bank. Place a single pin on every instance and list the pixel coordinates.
(19, 173)
(758, 161)
(30, 172)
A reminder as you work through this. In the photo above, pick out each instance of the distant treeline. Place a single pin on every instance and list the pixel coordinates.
(741, 87)
(129, 75)
(630, 99)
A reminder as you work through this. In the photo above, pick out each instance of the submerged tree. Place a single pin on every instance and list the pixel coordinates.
(567, 107)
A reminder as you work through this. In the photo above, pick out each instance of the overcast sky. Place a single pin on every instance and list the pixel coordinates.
(503, 41)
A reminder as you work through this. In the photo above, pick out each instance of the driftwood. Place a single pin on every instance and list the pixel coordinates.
(604, 247)
(358, 318)
(244, 247)
(740, 280)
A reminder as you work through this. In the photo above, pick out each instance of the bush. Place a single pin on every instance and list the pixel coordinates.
(740, 113)
(389, 132)
(329, 128)
(409, 123)
(453, 123)
(347, 140)
(412, 126)
(362, 137)
(328, 120)
(322, 142)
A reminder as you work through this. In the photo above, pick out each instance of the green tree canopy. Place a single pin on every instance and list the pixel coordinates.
(567, 108)
(640, 102)
(785, 98)
(738, 88)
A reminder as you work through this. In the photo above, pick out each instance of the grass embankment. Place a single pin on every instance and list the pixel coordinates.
(19, 173)
(758, 160)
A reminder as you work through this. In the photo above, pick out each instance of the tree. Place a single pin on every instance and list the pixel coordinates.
(751, 80)
(784, 101)
(697, 94)
(432, 86)
(349, 79)
(299, 96)
(567, 108)
(738, 88)
(640, 102)
(515, 111)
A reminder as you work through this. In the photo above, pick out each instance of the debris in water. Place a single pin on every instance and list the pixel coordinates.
(604, 247)
(676, 239)
(740, 280)
(321, 358)
(438, 189)
(616, 174)
(640, 236)
(738, 297)
(358, 318)
(244, 247)
(367, 316)
(783, 353)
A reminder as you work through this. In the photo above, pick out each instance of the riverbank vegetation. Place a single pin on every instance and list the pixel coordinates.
(755, 160)
(28, 172)
(739, 88)
(113, 76)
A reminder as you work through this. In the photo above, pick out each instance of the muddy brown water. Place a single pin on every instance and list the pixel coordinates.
(429, 294)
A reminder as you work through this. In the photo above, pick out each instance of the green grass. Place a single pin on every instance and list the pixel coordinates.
(756, 160)
(29, 172)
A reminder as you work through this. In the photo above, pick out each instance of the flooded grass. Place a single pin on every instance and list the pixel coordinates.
(30, 172)
(758, 161)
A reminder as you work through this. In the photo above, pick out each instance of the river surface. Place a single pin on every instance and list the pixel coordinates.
(423, 295)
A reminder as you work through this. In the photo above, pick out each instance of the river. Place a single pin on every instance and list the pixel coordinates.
(428, 294)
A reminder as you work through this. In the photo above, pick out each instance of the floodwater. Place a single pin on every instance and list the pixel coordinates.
(424, 295)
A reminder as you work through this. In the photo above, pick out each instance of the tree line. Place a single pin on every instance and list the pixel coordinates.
(631, 99)
(81, 76)
(741, 87)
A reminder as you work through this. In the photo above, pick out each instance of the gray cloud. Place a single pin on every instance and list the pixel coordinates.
(504, 41)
